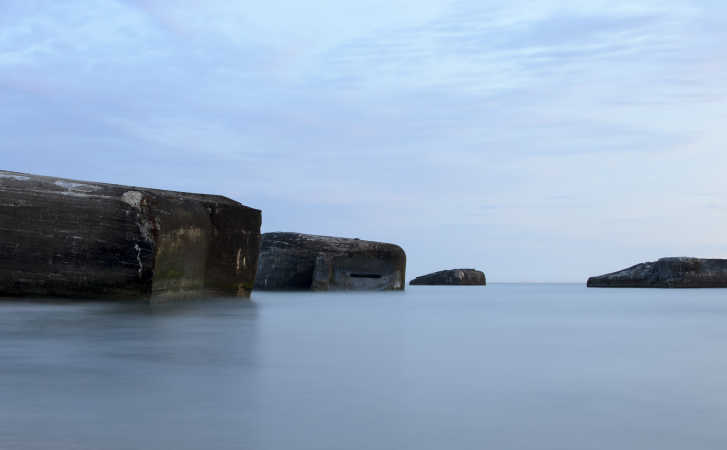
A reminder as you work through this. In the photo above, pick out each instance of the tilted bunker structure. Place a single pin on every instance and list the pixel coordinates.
(78, 239)
(295, 261)
(673, 272)
(452, 277)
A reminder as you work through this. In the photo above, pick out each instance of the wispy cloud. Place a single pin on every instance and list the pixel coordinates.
(589, 121)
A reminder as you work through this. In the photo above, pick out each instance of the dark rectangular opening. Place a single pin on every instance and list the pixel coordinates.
(365, 275)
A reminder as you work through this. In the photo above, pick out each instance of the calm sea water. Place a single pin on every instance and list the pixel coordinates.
(502, 367)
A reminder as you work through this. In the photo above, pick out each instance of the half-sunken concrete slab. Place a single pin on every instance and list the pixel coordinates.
(453, 277)
(679, 272)
(80, 239)
(294, 261)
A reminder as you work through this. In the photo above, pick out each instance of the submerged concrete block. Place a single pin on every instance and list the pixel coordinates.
(80, 239)
(679, 272)
(294, 261)
(452, 277)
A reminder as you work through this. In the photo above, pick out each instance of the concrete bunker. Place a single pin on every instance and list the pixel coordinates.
(68, 238)
(295, 261)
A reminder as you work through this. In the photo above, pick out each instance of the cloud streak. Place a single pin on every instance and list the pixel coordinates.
(588, 130)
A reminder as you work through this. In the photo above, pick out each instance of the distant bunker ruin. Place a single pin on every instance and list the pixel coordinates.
(673, 272)
(294, 261)
(77, 239)
(452, 277)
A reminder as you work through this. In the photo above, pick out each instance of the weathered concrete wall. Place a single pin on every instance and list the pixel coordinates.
(80, 239)
(452, 277)
(294, 261)
(668, 273)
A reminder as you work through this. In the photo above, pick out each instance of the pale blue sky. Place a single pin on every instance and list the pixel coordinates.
(536, 140)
